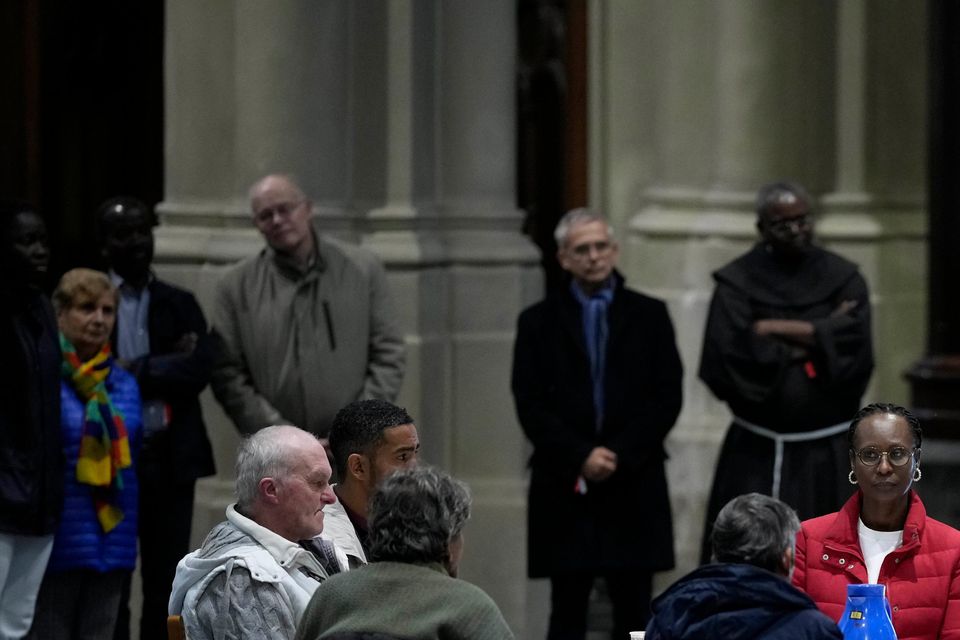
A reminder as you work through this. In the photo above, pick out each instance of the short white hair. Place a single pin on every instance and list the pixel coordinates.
(268, 453)
(574, 218)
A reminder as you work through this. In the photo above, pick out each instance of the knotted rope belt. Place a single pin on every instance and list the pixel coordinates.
(780, 438)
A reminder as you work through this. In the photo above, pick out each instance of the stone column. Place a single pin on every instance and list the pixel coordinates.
(265, 91)
(493, 274)
(935, 376)
(772, 97)
(397, 116)
(292, 101)
(737, 97)
(874, 214)
(748, 91)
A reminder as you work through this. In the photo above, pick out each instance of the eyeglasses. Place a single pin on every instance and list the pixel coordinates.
(282, 209)
(898, 456)
(601, 248)
(783, 225)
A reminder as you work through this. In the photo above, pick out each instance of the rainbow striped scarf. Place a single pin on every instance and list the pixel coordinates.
(104, 448)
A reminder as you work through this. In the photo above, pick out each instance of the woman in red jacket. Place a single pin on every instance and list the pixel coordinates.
(883, 535)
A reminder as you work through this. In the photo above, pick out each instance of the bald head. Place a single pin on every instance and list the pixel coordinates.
(784, 218)
(276, 181)
(281, 213)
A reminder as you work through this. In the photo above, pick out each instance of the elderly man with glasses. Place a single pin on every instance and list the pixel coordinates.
(597, 385)
(304, 327)
(787, 346)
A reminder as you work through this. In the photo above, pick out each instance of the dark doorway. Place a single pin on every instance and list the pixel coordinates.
(552, 118)
(83, 118)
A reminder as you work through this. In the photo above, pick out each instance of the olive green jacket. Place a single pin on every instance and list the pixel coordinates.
(410, 601)
(294, 347)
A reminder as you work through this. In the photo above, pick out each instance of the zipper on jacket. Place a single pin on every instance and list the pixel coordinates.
(329, 319)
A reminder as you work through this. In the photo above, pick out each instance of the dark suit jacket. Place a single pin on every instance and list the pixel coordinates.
(31, 455)
(624, 522)
(183, 452)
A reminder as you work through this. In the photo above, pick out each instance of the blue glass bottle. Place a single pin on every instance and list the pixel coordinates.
(867, 615)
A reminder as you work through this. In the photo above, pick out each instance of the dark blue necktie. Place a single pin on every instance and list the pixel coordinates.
(595, 332)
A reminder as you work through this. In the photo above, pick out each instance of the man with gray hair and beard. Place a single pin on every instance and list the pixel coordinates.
(255, 572)
(747, 593)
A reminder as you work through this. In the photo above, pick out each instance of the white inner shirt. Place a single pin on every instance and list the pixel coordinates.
(876, 545)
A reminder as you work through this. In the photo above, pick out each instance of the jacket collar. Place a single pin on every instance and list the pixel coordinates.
(288, 554)
(844, 535)
(317, 263)
(571, 314)
(338, 528)
(119, 282)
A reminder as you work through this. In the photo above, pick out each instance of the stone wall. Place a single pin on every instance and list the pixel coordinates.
(397, 117)
(695, 105)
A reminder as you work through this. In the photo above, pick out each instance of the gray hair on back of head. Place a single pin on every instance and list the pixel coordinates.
(576, 217)
(264, 454)
(754, 529)
(415, 514)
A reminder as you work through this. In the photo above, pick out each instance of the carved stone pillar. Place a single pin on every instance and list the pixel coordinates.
(397, 117)
(935, 378)
(694, 106)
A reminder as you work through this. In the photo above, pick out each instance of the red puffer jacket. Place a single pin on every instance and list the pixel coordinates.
(922, 576)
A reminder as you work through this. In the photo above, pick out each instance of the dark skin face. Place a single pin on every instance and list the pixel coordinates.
(885, 487)
(787, 226)
(30, 250)
(128, 243)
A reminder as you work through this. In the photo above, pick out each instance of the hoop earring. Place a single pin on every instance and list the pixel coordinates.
(851, 477)
(917, 474)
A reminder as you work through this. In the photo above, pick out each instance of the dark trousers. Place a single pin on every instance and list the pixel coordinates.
(166, 511)
(78, 605)
(629, 592)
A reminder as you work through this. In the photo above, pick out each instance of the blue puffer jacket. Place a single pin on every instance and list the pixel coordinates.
(737, 602)
(80, 543)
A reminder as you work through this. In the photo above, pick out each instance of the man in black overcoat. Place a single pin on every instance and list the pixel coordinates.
(597, 382)
(161, 338)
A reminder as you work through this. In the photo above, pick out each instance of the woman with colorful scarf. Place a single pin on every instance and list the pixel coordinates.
(95, 546)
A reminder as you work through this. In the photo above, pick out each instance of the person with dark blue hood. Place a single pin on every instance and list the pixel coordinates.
(746, 593)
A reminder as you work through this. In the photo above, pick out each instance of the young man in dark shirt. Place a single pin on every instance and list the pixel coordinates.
(369, 439)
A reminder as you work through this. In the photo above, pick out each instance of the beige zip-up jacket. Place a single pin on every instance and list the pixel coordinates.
(295, 347)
